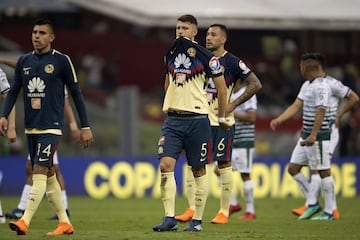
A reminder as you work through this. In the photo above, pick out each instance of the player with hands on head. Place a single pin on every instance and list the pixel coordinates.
(188, 67)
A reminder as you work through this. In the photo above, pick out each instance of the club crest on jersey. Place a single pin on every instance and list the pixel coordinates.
(214, 65)
(192, 52)
(243, 67)
(49, 68)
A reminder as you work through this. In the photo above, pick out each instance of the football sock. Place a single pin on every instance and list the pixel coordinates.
(64, 199)
(315, 189)
(168, 192)
(190, 185)
(328, 188)
(249, 195)
(304, 186)
(24, 197)
(53, 193)
(233, 200)
(201, 193)
(226, 189)
(35, 196)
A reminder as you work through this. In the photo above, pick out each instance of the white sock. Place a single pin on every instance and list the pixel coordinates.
(315, 183)
(24, 197)
(233, 200)
(304, 186)
(328, 189)
(249, 196)
(64, 198)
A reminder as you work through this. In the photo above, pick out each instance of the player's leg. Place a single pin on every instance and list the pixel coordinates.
(248, 184)
(41, 162)
(299, 158)
(18, 212)
(222, 151)
(60, 179)
(169, 148)
(190, 195)
(327, 181)
(315, 189)
(198, 149)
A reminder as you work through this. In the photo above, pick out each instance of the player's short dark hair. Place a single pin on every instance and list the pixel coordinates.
(188, 18)
(314, 56)
(222, 27)
(44, 21)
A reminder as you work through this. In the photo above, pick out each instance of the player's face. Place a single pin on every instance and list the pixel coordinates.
(186, 29)
(214, 38)
(42, 36)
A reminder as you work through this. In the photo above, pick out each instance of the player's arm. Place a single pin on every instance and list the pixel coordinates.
(10, 63)
(253, 86)
(319, 118)
(249, 116)
(290, 112)
(222, 100)
(351, 100)
(11, 131)
(75, 131)
(74, 88)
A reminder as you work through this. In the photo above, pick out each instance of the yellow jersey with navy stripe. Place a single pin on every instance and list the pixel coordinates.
(42, 77)
(234, 69)
(188, 68)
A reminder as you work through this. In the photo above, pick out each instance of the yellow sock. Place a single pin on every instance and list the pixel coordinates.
(53, 193)
(35, 196)
(201, 193)
(190, 187)
(226, 188)
(168, 192)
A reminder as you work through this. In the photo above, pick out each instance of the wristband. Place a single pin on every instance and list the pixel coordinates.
(221, 120)
(85, 128)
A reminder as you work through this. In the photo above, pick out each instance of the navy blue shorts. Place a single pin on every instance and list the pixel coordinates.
(42, 148)
(222, 143)
(193, 134)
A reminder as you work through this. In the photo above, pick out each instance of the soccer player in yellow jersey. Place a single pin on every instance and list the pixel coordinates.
(188, 69)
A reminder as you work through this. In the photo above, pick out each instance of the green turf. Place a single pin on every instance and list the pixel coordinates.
(133, 219)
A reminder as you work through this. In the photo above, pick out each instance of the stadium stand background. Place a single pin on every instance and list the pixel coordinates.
(120, 49)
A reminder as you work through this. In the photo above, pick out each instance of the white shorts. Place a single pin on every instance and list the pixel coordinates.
(316, 156)
(55, 158)
(334, 139)
(242, 159)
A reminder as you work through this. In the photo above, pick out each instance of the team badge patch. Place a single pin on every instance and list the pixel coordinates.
(192, 52)
(49, 68)
(243, 67)
(214, 64)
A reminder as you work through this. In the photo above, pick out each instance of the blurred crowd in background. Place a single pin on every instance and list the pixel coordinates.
(109, 54)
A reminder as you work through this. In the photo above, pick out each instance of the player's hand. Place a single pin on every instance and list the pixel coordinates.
(11, 134)
(225, 125)
(274, 124)
(309, 141)
(86, 138)
(3, 126)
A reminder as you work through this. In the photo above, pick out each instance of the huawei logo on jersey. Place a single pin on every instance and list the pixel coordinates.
(182, 59)
(36, 84)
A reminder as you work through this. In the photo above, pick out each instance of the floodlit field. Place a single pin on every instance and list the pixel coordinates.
(133, 219)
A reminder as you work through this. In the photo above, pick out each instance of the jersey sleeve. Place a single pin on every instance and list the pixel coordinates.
(74, 88)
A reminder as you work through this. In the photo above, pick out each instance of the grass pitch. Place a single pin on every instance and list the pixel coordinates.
(134, 218)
